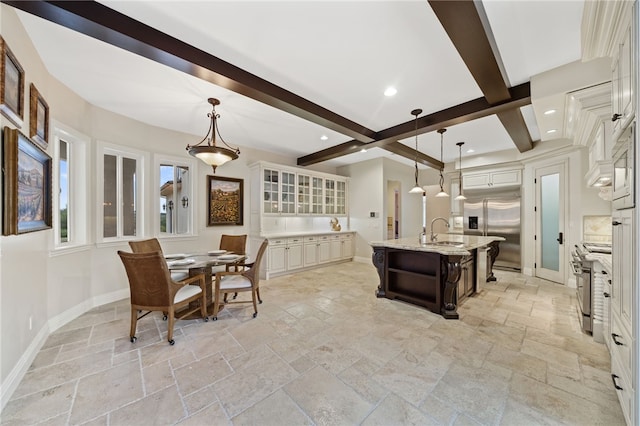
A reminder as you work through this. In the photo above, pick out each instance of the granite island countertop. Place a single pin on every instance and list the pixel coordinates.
(446, 244)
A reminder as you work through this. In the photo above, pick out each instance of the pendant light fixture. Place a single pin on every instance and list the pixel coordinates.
(211, 153)
(460, 195)
(417, 189)
(442, 192)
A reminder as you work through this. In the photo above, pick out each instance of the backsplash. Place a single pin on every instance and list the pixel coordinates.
(596, 229)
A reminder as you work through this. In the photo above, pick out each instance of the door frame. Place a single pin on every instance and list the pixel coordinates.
(561, 168)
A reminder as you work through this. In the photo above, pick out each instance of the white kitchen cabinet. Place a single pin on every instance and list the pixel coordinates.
(492, 179)
(348, 245)
(292, 253)
(457, 206)
(311, 250)
(622, 79)
(600, 164)
(324, 249)
(291, 191)
(284, 254)
(278, 191)
(277, 256)
(304, 194)
(622, 296)
(335, 248)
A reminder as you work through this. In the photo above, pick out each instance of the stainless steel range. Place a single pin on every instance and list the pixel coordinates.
(583, 271)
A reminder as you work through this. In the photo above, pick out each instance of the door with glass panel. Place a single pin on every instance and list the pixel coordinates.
(550, 219)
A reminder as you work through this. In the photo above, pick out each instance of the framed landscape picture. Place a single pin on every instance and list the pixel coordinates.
(225, 197)
(11, 85)
(26, 190)
(38, 117)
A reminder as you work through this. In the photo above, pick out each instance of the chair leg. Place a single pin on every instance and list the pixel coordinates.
(255, 306)
(258, 293)
(172, 319)
(134, 322)
(203, 307)
(216, 305)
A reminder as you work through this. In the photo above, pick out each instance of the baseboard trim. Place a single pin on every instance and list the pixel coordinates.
(10, 384)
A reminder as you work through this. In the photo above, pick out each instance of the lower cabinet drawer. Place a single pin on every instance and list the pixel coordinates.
(623, 388)
(621, 345)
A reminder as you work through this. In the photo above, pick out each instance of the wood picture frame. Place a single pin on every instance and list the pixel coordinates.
(225, 201)
(38, 117)
(11, 85)
(26, 190)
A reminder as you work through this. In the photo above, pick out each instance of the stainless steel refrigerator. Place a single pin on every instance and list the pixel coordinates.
(496, 213)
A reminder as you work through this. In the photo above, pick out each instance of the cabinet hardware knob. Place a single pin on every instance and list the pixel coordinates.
(613, 336)
(616, 117)
(615, 384)
(606, 294)
(616, 223)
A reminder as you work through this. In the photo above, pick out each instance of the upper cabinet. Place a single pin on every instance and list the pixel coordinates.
(291, 191)
(278, 194)
(502, 178)
(622, 78)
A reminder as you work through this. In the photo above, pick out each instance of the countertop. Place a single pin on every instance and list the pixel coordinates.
(604, 259)
(272, 235)
(464, 243)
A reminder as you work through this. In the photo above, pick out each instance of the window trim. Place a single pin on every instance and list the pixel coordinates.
(78, 196)
(158, 160)
(142, 158)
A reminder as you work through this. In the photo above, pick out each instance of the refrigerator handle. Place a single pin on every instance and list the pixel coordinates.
(560, 238)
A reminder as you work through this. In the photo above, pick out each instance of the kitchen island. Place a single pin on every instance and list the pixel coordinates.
(436, 275)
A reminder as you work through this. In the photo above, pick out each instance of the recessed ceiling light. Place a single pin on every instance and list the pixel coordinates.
(390, 91)
(549, 112)
(324, 137)
(363, 150)
(551, 131)
(470, 150)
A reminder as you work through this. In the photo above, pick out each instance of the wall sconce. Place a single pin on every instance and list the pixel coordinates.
(170, 204)
(185, 202)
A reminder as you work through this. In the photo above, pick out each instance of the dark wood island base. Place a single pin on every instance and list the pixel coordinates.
(434, 276)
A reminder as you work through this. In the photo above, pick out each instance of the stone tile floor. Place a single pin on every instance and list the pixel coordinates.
(324, 350)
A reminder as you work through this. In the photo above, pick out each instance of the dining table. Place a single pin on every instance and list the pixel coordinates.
(202, 263)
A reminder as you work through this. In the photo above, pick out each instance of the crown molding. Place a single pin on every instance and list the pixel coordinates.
(603, 26)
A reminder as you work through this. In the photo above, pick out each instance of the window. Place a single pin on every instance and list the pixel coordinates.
(121, 193)
(70, 187)
(174, 196)
(63, 193)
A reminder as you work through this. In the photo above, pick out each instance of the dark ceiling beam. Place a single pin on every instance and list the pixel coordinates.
(467, 26)
(472, 110)
(100, 22)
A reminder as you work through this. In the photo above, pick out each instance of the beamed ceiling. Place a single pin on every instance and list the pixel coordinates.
(453, 59)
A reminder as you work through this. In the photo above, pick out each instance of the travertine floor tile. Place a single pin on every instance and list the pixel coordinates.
(325, 350)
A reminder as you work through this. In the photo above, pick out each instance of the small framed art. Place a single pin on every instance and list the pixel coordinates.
(11, 85)
(38, 117)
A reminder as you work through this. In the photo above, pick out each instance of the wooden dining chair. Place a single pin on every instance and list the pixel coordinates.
(239, 281)
(236, 244)
(152, 289)
(152, 245)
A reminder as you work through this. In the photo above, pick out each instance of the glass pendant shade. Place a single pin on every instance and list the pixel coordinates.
(210, 153)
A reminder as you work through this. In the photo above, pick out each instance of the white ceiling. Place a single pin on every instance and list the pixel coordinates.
(340, 55)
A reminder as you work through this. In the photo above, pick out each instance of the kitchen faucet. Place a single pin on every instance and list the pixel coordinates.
(435, 236)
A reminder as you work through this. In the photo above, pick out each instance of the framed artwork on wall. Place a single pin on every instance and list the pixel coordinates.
(38, 117)
(26, 190)
(225, 197)
(11, 85)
